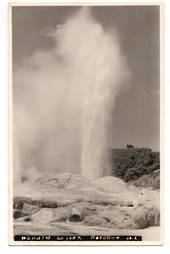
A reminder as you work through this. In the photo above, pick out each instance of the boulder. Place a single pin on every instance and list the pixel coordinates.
(29, 208)
(19, 214)
(62, 214)
(76, 215)
(43, 216)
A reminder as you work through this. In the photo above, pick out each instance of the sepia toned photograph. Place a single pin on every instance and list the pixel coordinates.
(85, 113)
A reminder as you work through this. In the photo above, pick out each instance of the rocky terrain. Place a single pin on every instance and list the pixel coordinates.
(69, 204)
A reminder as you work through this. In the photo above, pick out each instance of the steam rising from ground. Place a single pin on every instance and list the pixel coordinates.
(64, 98)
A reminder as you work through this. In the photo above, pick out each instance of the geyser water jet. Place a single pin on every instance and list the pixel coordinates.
(64, 99)
(109, 72)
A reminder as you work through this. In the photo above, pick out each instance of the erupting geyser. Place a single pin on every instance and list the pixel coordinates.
(65, 98)
(108, 74)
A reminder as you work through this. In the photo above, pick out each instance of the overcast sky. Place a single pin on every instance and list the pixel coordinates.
(136, 113)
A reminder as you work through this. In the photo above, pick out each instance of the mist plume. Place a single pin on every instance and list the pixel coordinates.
(64, 98)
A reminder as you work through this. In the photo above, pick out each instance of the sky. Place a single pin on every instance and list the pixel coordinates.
(136, 111)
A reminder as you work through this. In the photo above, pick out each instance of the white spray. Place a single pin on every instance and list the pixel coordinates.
(66, 97)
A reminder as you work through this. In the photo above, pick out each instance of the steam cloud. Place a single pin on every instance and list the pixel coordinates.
(64, 98)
